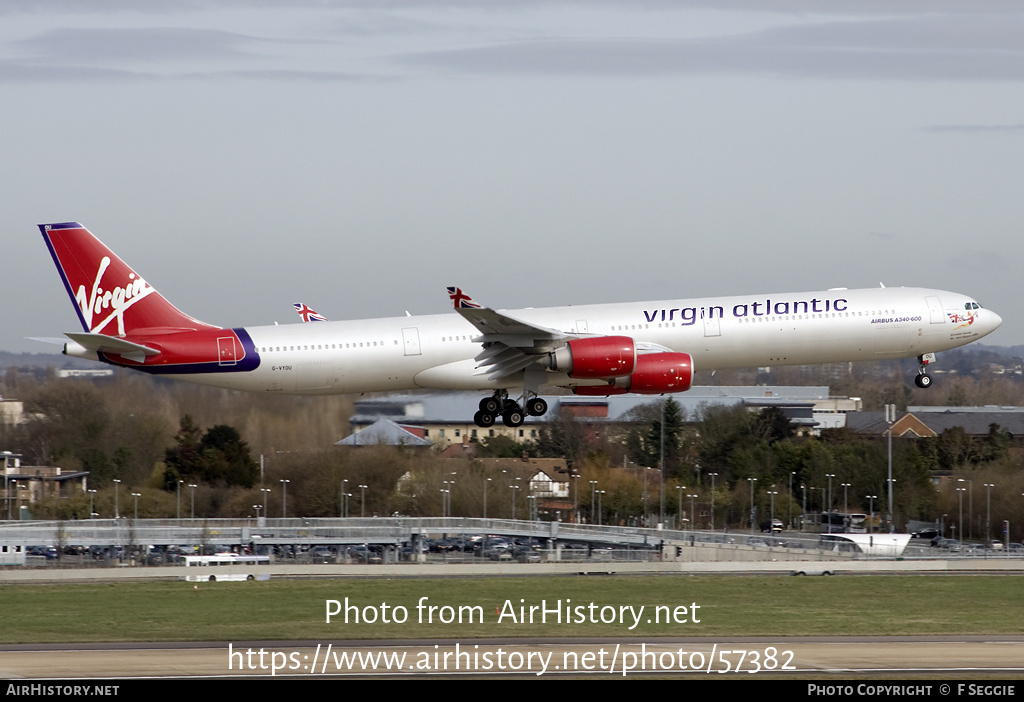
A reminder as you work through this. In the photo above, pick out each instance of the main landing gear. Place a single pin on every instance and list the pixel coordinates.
(923, 380)
(510, 411)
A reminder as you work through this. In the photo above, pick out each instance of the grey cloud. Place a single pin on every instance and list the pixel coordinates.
(929, 48)
(18, 72)
(977, 128)
(285, 75)
(143, 43)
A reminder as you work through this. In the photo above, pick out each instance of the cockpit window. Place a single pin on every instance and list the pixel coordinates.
(972, 306)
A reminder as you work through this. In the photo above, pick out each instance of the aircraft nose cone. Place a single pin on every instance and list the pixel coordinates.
(992, 320)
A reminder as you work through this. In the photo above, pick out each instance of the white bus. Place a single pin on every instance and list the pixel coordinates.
(236, 567)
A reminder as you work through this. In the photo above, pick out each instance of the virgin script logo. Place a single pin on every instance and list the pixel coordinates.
(117, 301)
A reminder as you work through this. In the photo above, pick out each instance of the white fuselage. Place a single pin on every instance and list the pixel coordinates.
(437, 351)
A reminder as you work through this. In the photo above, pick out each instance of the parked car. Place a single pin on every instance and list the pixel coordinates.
(321, 554)
(364, 554)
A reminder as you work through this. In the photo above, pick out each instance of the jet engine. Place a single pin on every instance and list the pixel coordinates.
(653, 374)
(598, 357)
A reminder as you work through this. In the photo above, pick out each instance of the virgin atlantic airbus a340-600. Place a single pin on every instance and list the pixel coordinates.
(511, 355)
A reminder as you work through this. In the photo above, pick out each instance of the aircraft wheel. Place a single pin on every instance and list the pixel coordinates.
(489, 405)
(513, 418)
(536, 407)
(923, 380)
(483, 419)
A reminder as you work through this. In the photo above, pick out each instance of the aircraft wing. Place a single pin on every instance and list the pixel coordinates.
(510, 345)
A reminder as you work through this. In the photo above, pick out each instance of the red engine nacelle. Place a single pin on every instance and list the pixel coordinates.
(654, 374)
(657, 373)
(600, 357)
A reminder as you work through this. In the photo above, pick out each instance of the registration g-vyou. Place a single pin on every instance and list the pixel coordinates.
(509, 355)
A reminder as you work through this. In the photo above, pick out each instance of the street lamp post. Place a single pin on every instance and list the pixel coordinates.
(970, 509)
(892, 523)
(193, 487)
(961, 490)
(988, 513)
(661, 465)
(487, 480)
(576, 496)
(830, 476)
(789, 503)
(284, 498)
(136, 495)
(679, 508)
(871, 523)
(803, 513)
(117, 495)
(752, 481)
(890, 419)
(713, 476)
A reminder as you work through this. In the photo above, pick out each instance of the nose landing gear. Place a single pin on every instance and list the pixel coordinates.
(923, 380)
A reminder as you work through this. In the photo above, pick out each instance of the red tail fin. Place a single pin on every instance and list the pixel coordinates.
(110, 297)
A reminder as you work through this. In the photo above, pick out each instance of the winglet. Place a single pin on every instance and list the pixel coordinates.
(461, 300)
(307, 313)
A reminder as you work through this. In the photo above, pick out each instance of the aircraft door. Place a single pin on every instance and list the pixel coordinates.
(226, 351)
(935, 312)
(712, 326)
(411, 341)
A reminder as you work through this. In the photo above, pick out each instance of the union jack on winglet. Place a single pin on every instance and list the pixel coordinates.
(307, 313)
(461, 300)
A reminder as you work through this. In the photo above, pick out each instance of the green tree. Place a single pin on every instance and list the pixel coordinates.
(184, 459)
(645, 441)
(226, 457)
(218, 457)
(501, 446)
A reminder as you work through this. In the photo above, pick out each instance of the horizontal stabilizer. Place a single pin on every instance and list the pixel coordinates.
(101, 343)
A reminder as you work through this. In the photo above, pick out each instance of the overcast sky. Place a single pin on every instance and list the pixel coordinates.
(360, 156)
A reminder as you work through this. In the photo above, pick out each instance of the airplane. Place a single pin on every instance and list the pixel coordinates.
(604, 349)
